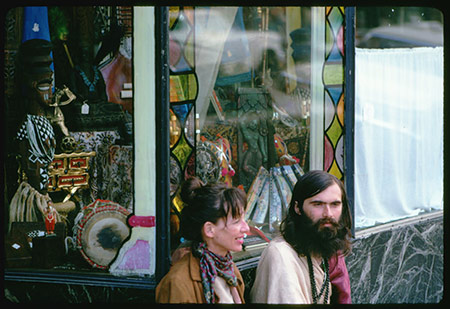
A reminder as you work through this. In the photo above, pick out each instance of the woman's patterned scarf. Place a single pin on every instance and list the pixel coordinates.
(212, 265)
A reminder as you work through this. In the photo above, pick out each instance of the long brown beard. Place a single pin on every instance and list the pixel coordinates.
(317, 239)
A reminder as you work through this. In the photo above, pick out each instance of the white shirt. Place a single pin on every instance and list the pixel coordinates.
(282, 276)
(223, 290)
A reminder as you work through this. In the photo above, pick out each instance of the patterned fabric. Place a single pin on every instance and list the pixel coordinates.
(212, 265)
(39, 132)
(111, 168)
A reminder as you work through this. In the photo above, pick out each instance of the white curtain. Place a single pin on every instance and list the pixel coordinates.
(212, 26)
(398, 133)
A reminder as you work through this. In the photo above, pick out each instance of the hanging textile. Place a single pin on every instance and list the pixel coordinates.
(35, 26)
(398, 133)
(35, 23)
(235, 66)
(212, 26)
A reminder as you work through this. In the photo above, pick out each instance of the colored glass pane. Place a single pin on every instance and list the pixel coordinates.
(189, 13)
(174, 54)
(329, 110)
(183, 87)
(189, 127)
(340, 110)
(334, 132)
(174, 129)
(174, 12)
(182, 111)
(339, 154)
(336, 19)
(340, 40)
(333, 73)
(334, 54)
(335, 170)
(179, 34)
(181, 29)
(335, 92)
(182, 151)
(328, 153)
(178, 203)
(329, 39)
(189, 51)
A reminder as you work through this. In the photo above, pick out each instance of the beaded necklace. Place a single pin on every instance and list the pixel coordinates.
(87, 82)
(325, 286)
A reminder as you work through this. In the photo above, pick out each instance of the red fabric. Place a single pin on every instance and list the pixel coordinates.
(115, 74)
(340, 280)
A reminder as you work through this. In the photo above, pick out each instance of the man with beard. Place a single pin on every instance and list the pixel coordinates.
(305, 264)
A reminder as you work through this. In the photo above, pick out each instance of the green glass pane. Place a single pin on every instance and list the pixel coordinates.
(182, 151)
(189, 51)
(183, 87)
(192, 86)
(334, 132)
(333, 74)
(336, 19)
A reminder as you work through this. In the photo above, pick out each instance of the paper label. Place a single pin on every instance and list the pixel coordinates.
(85, 109)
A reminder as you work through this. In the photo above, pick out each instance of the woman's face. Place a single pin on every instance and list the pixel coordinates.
(228, 235)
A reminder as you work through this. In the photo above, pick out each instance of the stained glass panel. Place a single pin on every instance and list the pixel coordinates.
(333, 79)
(183, 93)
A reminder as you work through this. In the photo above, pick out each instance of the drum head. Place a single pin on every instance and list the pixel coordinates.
(102, 232)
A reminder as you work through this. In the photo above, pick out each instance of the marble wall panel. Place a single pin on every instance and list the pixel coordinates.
(403, 264)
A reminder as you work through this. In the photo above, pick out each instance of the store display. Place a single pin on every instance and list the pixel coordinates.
(100, 231)
(270, 194)
(19, 245)
(257, 131)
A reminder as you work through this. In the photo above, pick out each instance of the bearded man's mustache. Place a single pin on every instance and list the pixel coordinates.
(326, 232)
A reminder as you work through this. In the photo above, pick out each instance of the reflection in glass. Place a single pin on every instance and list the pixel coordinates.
(250, 89)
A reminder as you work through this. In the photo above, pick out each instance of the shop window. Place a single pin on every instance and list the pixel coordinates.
(69, 162)
(398, 113)
(256, 100)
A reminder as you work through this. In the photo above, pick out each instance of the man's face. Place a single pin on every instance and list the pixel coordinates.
(324, 209)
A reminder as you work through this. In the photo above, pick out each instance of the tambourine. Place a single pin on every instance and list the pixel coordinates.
(101, 232)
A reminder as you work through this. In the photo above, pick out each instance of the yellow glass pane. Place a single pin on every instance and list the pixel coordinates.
(175, 129)
(174, 12)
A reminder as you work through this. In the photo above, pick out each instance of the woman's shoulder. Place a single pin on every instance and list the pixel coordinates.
(184, 263)
(178, 286)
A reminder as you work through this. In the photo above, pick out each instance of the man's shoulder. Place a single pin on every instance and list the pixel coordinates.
(280, 245)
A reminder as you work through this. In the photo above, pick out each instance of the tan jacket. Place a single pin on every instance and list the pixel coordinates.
(183, 283)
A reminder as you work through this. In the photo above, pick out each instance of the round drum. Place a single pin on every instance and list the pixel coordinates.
(101, 232)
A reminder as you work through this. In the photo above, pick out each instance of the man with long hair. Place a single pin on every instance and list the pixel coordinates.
(305, 264)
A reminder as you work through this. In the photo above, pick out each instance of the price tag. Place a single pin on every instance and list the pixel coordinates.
(85, 108)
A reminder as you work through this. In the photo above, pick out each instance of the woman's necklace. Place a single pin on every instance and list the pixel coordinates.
(325, 286)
